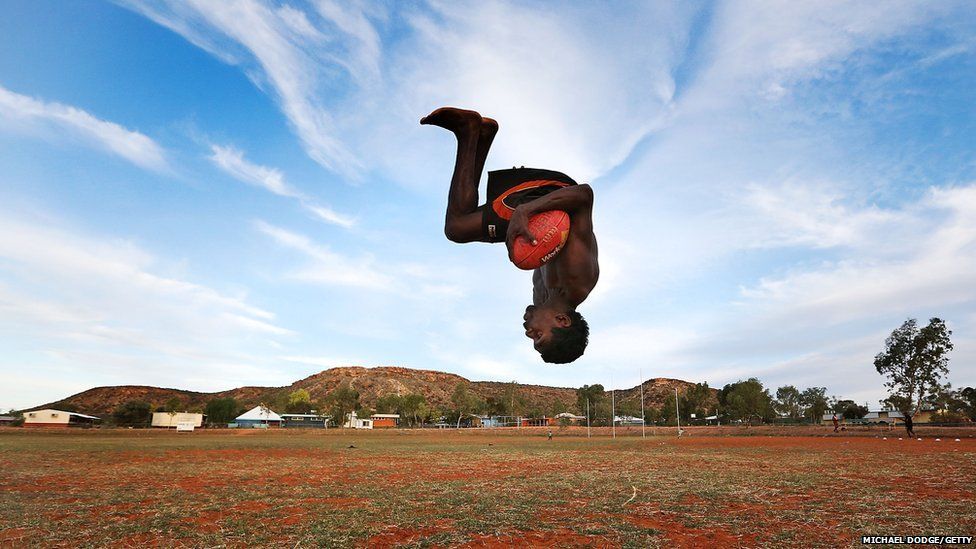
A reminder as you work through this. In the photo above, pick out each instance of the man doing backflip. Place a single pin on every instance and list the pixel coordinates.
(558, 332)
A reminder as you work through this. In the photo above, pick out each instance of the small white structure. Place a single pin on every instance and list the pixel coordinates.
(572, 418)
(57, 418)
(169, 420)
(628, 420)
(259, 416)
(355, 422)
(185, 426)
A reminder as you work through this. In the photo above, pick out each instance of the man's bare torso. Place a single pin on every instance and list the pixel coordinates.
(573, 272)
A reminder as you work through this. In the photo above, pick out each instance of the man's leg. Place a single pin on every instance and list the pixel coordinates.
(474, 135)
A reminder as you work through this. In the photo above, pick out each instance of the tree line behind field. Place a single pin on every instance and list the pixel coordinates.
(747, 401)
(914, 362)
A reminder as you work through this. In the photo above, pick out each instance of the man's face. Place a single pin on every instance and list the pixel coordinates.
(539, 322)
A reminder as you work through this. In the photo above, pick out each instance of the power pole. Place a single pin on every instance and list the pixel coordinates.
(677, 414)
(587, 418)
(613, 410)
(643, 416)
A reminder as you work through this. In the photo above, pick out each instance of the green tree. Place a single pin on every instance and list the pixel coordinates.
(594, 394)
(967, 402)
(513, 398)
(747, 400)
(788, 401)
(652, 415)
(464, 401)
(496, 406)
(222, 410)
(413, 409)
(898, 402)
(667, 413)
(629, 407)
(389, 404)
(342, 401)
(134, 413)
(173, 405)
(299, 402)
(695, 400)
(426, 414)
(949, 406)
(534, 410)
(848, 409)
(814, 402)
(556, 407)
(18, 417)
(915, 361)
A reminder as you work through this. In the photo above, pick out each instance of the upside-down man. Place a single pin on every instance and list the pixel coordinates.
(558, 332)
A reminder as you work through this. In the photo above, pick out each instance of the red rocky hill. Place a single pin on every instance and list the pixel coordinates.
(371, 383)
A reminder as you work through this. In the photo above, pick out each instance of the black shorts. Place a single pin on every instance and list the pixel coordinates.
(510, 188)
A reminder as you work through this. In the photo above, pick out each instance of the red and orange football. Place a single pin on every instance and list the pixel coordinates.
(551, 229)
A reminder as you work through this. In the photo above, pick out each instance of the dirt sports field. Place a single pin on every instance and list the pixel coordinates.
(476, 489)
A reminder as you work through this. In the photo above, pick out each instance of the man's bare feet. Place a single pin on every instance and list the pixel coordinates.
(454, 119)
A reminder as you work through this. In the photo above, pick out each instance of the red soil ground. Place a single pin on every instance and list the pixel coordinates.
(478, 489)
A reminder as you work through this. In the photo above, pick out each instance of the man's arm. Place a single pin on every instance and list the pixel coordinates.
(576, 200)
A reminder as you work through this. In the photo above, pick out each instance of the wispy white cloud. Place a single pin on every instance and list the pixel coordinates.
(814, 215)
(405, 280)
(762, 49)
(354, 100)
(232, 161)
(78, 299)
(937, 270)
(329, 267)
(566, 86)
(280, 49)
(20, 112)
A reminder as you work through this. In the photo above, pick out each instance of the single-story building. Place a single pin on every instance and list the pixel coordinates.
(305, 421)
(6, 421)
(890, 417)
(259, 417)
(385, 421)
(487, 422)
(169, 420)
(355, 422)
(537, 421)
(57, 418)
(628, 420)
(572, 418)
(894, 417)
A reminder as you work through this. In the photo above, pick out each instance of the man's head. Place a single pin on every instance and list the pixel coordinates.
(559, 336)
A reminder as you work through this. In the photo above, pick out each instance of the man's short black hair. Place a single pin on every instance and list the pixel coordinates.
(568, 343)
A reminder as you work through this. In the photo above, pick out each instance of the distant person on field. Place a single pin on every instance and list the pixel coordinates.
(550, 434)
(908, 424)
(558, 332)
(836, 423)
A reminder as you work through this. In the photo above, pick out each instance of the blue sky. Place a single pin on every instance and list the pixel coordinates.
(205, 195)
